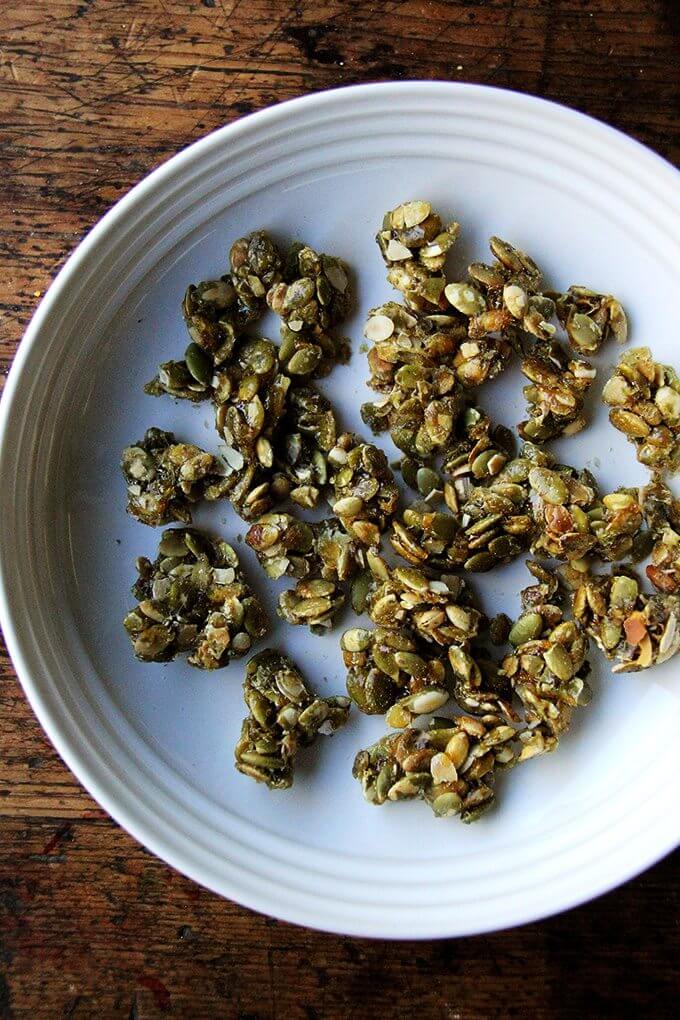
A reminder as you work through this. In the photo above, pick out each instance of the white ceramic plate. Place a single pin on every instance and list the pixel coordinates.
(154, 744)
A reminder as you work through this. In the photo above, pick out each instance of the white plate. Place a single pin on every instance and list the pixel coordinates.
(154, 744)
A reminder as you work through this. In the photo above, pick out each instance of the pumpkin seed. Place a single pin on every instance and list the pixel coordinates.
(527, 628)
(548, 485)
(199, 364)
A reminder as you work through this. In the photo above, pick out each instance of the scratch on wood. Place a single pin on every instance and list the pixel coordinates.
(130, 33)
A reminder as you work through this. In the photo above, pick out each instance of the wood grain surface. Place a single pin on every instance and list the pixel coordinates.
(93, 95)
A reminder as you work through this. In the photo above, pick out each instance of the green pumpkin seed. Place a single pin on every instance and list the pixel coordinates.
(465, 298)
(427, 480)
(559, 662)
(199, 364)
(447, 804)
(548, 485)
(527, 628)
(480, 562)
(305, 360)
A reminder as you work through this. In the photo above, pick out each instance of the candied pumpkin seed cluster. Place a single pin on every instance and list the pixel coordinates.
(193, 598)
(385, 665)
(633, 629)
(644, 397)
(555, 394)
(414, 243)
(452, 765)
(276, 430)
(283, 717)
(165, 478)
(215, 313)
(365, 495)
(662, 514)
(503, 297)
(589, 319)
(288, 546)
(312, 297)
(321, 555)
(573, 521)
(547, 668)
(489, 523)
(276, 435)
(256, 266)
(440, 611)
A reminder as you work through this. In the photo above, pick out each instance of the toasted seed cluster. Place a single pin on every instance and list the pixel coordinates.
(413, 368)
(312, 297)
(164, 478)
(214, 316)
(256, 266)
(321, 555)
(573, 521)
(419, 353)
(589, 318)
(479, 684)
(439, 611)
(555, 394)
(452, 765)
(489, 523)
(547, 672)
(313, 603)
(479, 449)
(193, 598)
(662, 514)
(390, 666)
(365, 495)
(633, 629)
(283, 717)
(215, 313)
(309, 291)
(276, 430)
(315, 290)
(188, 379)
(309, 433)
(276, 435)
(644, 397)
(414, 242)
(503, 297)
(288, 546)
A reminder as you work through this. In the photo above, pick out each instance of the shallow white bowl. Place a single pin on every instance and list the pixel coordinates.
(154, 744)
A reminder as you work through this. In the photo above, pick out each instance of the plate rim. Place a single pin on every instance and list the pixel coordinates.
(73, 756)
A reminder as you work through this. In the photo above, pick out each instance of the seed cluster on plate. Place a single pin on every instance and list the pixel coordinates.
(193, 598)
(482, 502)
(283, 717)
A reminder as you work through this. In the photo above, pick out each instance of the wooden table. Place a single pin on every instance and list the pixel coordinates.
(93, 95)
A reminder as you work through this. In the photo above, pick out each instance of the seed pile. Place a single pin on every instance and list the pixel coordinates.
(164, 478)
(193, 598)
(482, 501)
(451, 764)
(644, 397)
(283, 717)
